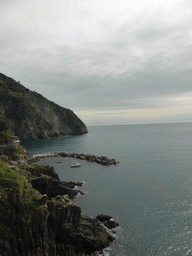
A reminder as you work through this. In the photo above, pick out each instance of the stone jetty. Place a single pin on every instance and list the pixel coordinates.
(103, 160)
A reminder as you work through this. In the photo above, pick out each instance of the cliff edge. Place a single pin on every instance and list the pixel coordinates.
(36, 224)
(31, 116)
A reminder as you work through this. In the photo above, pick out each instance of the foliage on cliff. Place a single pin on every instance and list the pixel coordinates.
(31, 116)
(3, 125)
(4, 137)
(20, 214)
(35, 224)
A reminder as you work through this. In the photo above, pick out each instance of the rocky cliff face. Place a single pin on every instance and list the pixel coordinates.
(36, 225)
(31, 116)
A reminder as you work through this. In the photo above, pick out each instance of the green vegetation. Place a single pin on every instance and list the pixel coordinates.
(7, 173)
(15, 94)
(3, 125)
(4, 137)
(11, 84)
(27, 194)
(12, 151)
(32, 116)
(12, 182)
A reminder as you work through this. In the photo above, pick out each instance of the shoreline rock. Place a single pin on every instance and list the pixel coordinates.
(107, 221)
(47, 223)
(103, 160)
(74, 234)
(39, 218)
(31, 116)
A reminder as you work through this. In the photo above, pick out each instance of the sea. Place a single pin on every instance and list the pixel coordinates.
(149, 192)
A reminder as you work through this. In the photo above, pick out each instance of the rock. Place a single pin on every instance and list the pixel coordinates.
(84, 238)
(21, 162)
(51, 187)
(38, 170)
(23, 230)
(63, 199)
(103, 217)
(92, 236)
(107, 220)
(92, 158)
(29, 228)
(80, 192)
(43, 200)
(62, 154)
(72, 184)
(111, 224)
(66, 197)
(31, 116)
(11, 167)
(51, 205)
(58, 229)
(4, 158)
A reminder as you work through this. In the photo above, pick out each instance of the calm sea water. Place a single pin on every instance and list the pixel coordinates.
(149, 192)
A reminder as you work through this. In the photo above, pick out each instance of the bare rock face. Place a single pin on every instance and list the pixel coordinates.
(103, 217)
(23, 228)
(48, 227)
(31, 116)
(107, 221)
(76, 234)
(52, 187)
(38, 217)
(39, 170)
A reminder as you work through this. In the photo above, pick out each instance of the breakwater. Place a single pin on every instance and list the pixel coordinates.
(103, 160)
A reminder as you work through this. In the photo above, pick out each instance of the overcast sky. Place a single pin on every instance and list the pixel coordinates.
(110, 61)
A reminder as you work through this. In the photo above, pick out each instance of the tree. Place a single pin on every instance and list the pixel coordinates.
(3, 125)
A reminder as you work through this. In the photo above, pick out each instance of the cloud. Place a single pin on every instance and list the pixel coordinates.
(178, 108)
(100, 55)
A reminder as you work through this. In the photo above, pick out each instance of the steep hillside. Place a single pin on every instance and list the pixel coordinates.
(38, 217)
(31, 116)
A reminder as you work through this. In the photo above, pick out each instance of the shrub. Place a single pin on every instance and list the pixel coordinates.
(11, 180)
(4, 138)
(7, 173)
(10, 151)
(3, 125)
(15, 94)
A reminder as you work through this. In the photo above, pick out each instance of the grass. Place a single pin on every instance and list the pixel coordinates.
(12, 182)
(7, 173)
(15, 94)
(13, 150)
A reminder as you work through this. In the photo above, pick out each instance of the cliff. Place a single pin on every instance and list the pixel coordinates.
(31, 116)
(35, 224)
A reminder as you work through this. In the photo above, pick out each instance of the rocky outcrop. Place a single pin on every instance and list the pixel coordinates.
(52, 187)
(55, 229)
(103, 160)
(39, 170)
(36, 224)
(47, 181)
(107, 221)
(75, 234)
(92, 158)
(31, 116)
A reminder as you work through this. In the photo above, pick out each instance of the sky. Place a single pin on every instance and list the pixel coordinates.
(110, 61)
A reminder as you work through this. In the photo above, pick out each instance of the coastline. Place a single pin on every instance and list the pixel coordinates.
(67, 230)
(103, 160)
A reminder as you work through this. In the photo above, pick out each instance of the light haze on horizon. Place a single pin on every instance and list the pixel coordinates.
(111, 62)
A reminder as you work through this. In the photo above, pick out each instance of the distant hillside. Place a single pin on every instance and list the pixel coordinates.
(31, 116)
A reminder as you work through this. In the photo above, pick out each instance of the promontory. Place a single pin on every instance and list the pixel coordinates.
(32, 116)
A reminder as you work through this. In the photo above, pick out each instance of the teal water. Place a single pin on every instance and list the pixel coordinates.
(149, 192)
